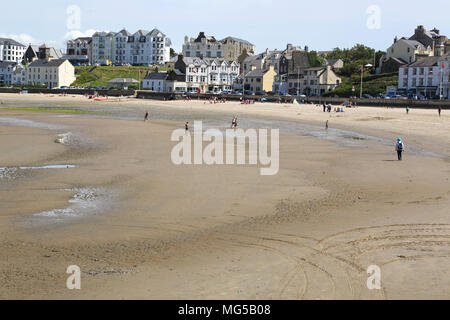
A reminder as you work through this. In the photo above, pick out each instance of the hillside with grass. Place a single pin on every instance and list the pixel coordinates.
(373, 84)
(91, 76)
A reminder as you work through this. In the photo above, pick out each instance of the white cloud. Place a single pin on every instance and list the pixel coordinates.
(23, 38)
(77, 34)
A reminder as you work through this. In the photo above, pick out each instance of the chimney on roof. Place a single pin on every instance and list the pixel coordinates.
(395, 39)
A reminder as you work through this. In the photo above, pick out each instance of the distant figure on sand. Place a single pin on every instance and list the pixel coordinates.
(234, 123)
(407, 110)
(186, 126)
(400, 148)
(146, 116)
(439, 111)
(326, 126)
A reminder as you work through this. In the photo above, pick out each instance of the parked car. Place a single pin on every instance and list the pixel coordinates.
(367, 96)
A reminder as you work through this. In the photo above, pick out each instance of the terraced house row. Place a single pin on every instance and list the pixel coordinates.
(140, 48)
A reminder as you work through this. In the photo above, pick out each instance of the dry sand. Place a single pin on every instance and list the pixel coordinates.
(224, 232)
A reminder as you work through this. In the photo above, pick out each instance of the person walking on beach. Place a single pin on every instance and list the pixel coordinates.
(326, 126)
(407, 110)
(146, 116)
(400, 148)
(439, 111)
(235, 123)
(324, 107)
(186, 127)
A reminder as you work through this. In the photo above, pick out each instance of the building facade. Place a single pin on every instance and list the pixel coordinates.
(313, 81)
(53, 73)
(19, 75)
(432, 39)
(6, 70)
(102, 47)
(155, 81)
(207, 75)
(260, 80)
(428, 77)
(205, 46)
(11, 50)
(408, 50)
(79, 50)
(141, 48)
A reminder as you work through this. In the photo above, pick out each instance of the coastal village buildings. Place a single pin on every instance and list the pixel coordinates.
(11, 50)
(102, 47)
(172, 81)
(53, 73)
(313, 81)
(405, 51)
(208, 75)
(428, 77)
(33, 53)
(6, 71)
(260, 80)
(141, 48)
(155, 81)
(18, 75)
(79, 50)
(204, 46)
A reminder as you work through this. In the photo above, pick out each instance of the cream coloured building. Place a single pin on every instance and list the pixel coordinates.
(54, 73)
(408, 50)
(313, 81)
(260, 80)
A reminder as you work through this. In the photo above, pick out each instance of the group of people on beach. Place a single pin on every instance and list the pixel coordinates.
(399, 146)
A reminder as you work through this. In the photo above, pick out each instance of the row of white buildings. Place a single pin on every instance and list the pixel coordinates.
(140, 48)
(197, 75)
(428, 77)
(46, 70)
(11, 50)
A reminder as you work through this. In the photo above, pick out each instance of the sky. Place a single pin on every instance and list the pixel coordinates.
(320, 25)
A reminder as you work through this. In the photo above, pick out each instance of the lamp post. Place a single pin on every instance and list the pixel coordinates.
(441, 93)
(362, 74)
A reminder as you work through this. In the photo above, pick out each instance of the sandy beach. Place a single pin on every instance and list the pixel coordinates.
(91, 184)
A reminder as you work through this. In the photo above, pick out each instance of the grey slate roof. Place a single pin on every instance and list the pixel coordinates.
(45, 63)
(156, 76)
(6, 41)
(414, 43)
(6, 64)
(426, 62)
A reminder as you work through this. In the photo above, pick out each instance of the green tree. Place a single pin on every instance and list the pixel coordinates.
(314, 59)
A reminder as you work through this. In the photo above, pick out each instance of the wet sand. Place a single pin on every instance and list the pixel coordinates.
(141, 228)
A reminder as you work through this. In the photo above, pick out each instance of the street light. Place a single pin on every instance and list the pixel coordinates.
(367, 66)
